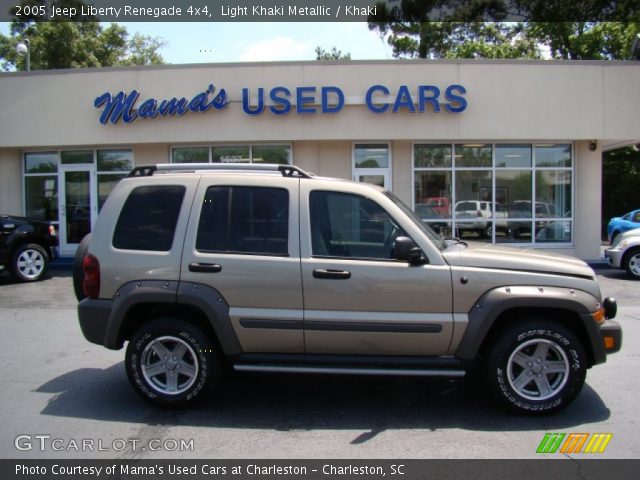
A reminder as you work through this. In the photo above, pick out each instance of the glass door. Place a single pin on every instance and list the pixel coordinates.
(78, 205)
(372, 163)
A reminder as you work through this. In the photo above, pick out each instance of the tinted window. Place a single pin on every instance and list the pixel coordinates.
(464, 206)
(148, 218)
(251, 220)
(346, 225)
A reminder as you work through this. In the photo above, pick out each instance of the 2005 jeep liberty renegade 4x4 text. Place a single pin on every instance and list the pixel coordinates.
(269, 268)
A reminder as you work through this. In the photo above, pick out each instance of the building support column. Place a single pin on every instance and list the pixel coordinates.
(588, 198)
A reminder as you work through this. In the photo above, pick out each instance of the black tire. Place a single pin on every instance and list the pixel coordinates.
(513, 359)
(29, 263)
(197, 354)
(78, 271)
(631, 263)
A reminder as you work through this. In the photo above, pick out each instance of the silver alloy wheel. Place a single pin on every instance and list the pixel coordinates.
(538, 369)
(169, 365)
(634, 264)
(30, 264)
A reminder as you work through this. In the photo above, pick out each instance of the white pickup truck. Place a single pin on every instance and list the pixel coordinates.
(475, 215)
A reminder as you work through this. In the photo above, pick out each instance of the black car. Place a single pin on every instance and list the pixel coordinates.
(26, 246)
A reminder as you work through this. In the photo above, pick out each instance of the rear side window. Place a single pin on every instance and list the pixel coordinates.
(148, 218)
(249, 220)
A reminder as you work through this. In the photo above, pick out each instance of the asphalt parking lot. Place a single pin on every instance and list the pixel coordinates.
(56, 385)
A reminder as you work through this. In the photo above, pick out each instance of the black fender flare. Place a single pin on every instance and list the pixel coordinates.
(488, 308)
(206, 299)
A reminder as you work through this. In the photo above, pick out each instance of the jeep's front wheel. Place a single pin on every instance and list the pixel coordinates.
(537, 367)
(171, 363)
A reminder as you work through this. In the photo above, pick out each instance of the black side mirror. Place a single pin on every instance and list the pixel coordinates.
(406, 250)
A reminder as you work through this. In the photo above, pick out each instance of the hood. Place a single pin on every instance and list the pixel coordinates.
(630, 233)
(21, 220)
(510, 258)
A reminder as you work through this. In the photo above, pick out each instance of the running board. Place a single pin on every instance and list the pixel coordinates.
(406, 372)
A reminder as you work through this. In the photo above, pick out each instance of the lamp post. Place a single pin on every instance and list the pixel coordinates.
(23, 48)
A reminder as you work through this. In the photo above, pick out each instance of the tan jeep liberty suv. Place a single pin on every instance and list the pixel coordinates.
(269, 268)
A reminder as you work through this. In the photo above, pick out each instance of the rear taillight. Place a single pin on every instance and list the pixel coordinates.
(91, 284)
(52, 230)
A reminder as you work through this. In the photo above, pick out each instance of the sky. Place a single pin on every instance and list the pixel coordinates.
(264, 41)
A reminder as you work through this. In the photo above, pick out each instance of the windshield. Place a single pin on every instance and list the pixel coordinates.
(436, 239)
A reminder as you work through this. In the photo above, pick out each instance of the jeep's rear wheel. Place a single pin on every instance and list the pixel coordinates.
(536, 367)
(170, 362)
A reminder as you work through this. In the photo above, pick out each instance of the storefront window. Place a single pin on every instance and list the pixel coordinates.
(190, 155)
(553, 232)
(553, 156)
(230, 155)
(513, 156)
(106, 183)
(278, 154)
(115, 160)
(41, 162)
(514, 200)
(505, 193)
(41, 197)
(473, 155)
(553, 193)
(77, 156)
(433, 185)
(432, 156)
(118, 163)
(433, 190)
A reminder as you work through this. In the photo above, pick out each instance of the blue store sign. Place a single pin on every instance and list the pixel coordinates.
(306, 100)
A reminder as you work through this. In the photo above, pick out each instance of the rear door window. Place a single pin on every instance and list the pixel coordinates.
(247, 220)
(148, 218)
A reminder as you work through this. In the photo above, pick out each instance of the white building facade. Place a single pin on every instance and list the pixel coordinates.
(506, 152)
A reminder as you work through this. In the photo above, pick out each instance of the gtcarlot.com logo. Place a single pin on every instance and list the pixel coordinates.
(574, 443)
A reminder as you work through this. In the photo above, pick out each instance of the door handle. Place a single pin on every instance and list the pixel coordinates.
(205, 267)
(331, 274)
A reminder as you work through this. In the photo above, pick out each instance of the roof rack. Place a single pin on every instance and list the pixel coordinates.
(285, 170)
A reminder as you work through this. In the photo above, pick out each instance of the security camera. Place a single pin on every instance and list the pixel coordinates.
(593, 146)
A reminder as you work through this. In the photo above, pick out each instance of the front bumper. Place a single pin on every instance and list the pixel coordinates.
(611, 334)
(610, 331)
(614, 256)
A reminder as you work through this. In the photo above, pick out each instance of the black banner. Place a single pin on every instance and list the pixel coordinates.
(319, 10)
(539, 469)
